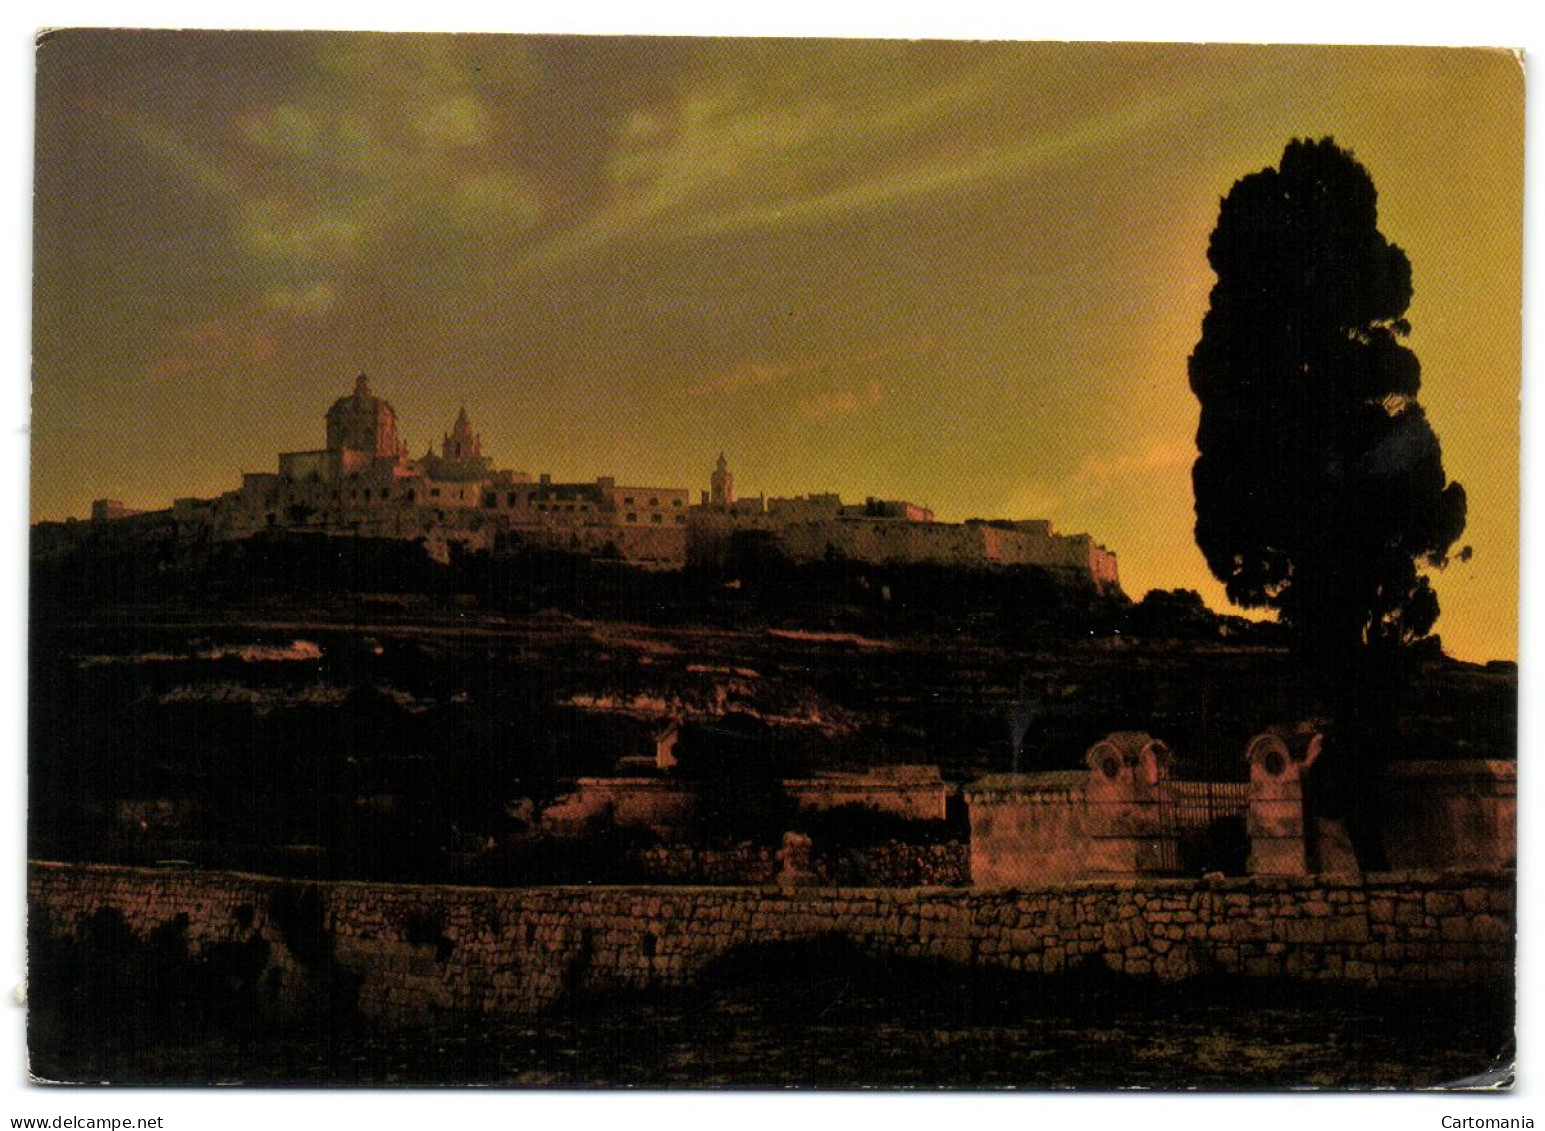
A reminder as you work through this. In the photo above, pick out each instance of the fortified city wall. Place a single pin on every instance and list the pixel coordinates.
(977, 545)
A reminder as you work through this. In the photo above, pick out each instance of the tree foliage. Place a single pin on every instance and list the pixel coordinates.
(1320, 488)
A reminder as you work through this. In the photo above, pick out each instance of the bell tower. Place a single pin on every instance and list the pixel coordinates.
(461, 458)
(721, 485)
(461, 442)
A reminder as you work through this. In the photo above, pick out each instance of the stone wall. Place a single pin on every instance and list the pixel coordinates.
(664, 806)
(892, 864)
(1126, 817)
(808, 531)
(654, 547)
(1452, 814)
(899, 864)
(438, 529)
(1027, 828)
(915, 793)
(268, 502)
(667, 806)
(979, 545)
(708, 864)
(408, 952)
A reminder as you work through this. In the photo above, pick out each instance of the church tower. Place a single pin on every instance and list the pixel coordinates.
(461, 442)
(721, 485)
(461, 458)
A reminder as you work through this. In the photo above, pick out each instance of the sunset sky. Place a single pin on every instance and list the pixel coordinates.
(964, 274)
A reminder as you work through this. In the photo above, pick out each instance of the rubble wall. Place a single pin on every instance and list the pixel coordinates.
(891, 864)
(413, 952)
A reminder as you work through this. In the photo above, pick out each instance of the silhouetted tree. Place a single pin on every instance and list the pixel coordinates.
(1319, 485)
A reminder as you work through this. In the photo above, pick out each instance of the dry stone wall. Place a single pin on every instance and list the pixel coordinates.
(704, 864)
(411, 952)
(892, 864)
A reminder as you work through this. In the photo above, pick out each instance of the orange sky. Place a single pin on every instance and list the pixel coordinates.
(963, 274)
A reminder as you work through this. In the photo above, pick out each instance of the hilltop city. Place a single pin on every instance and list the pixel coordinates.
(364, 483)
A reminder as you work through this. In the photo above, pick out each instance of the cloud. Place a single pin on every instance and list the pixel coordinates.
(298, 234)
(315, 299)
(723, 158)
(386, 150)
(1034, 498)
(457, 122)
(493, 199)
(753, 375)
(841, 402)
(1097, 475)
(385, 155)
(762, 374)
(284, 130)
(167, 146)
(423, 165)
(216, 345)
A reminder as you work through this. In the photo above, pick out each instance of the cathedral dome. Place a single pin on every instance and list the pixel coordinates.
(361, 398)
(363, 422)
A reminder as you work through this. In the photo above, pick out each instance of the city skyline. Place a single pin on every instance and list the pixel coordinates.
(967, 275)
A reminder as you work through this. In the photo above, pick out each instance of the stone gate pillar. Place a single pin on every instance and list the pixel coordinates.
(1027, 830)
(1280, 761)
(1126, 830)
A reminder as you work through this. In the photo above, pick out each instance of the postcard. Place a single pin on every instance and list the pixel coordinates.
(575, 561)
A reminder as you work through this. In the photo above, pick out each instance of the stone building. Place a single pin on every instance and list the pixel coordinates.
(108, 510)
